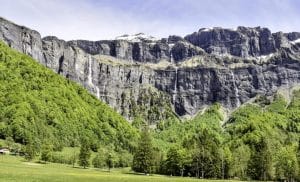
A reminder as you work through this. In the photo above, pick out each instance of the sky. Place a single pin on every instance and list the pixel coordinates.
(107, 19)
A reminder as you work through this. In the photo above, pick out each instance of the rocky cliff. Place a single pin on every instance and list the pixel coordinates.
(141, 76)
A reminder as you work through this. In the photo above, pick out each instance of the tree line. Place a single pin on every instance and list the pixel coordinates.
(260, 141)
(41, 113)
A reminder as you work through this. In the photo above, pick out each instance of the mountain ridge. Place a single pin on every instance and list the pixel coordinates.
(208, 66)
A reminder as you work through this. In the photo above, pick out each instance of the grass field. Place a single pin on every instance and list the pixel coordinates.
(16, 169)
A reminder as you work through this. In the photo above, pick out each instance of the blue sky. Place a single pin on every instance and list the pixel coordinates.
(106, 19)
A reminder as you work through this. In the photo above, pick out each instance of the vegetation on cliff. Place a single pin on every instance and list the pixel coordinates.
(37, 106)
(45, 113)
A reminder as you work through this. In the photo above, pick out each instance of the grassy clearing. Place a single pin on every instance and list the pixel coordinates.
(15, 169)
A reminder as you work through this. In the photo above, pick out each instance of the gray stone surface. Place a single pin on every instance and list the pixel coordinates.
(211, 65)
(243, 42)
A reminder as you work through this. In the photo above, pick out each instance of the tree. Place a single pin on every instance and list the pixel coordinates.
(85, 153)
(46, 152)
(110, 161)
(241, 157)
(176, 161)
(207, 157)
(143, 156)
(260, 164)
(287, 165)
(9, 141)
(298, 158)
(29, 151)
(98, 160)
(185, 160)
(124, 159)
(16, 148)
(74, 158)
(173, 161)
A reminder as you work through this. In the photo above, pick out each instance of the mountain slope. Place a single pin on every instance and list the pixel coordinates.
(211, 65)
(259, 141)
(38, 105)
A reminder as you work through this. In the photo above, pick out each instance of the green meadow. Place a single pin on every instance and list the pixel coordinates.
(15, 169)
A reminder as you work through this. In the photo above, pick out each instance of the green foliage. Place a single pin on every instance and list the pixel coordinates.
(124, 159)
(143, 156)
(176, 160)
(38, 106)
(64, 158)
(259, 141)
(106, 157)
(9, 141)
(258, 132)
(30, 151)
(85, 153)
(207, 154)
(46, 152)
(110, 160)
(260, 164)
(240, 159)
(278, 105)
(245, 147)
(98, 161)
(287, 167)
(138, 122)
(147, 107)
(192, 147)
(173, 161)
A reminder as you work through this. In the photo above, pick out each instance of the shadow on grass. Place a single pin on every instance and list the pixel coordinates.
(138, 174)
(78, 167)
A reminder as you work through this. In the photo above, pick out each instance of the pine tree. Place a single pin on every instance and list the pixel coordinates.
(173, 161)
(84, 154)
(143, 156)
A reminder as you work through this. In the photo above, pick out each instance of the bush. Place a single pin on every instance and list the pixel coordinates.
(99, 161)
(61, 158)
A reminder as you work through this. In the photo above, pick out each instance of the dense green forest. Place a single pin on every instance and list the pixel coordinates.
(38, 106)
(259, 141)
(45, 113)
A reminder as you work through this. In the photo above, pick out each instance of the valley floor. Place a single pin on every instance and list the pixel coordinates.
(15, 169)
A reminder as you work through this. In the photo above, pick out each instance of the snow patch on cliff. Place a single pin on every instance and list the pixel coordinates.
(295, 41)
(136, 38)
(265, 57)
(205, 29)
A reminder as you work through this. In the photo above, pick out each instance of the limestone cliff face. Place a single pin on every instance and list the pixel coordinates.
(21, 38)
(140, 75)
(243, 42)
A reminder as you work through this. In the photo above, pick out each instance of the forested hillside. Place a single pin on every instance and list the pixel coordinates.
(259, 141)
(47, 112)
(38, 106)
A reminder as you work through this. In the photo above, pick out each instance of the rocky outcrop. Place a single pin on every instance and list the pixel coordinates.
(145, 77)
(22, 39)
(243, 42)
